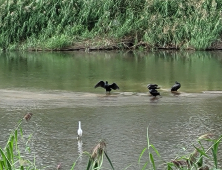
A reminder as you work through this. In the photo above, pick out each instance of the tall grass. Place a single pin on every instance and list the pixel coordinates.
(56, 24)
(96, 158)
(11, 156)
(150, 154)
(204, 156)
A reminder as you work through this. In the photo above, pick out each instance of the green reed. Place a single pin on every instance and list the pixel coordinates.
(150, 155)
(96, 158)
(11, 157)
(56, 24)
(200, 159)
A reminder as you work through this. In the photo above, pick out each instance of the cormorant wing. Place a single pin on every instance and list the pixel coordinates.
(114, 86)
(154, 92)
(152, 86)
(175, 87)
(100, 84)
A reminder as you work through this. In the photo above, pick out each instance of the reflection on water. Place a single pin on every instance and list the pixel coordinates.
(80, 151)
(78, 71)
(58, 88)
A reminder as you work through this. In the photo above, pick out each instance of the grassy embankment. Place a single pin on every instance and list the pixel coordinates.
(204, 157)
(109, 24)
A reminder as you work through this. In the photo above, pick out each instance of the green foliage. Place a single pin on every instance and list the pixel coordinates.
(96, 158)
(158, 23)
(199, 159)
(10, 156)
(150, 155)
(215, 151)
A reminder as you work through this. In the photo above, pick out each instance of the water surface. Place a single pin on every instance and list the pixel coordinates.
(58, 88)
(80, 71)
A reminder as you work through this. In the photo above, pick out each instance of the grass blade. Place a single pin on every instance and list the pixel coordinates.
(16, 139)
(1, 164)
(214, 151)
(141, 155)
(144, 166)
(73, 166)
(152, 161)
(155, 150)
(201, 152)
(6, 161)
(147, 138)
(89, 164)
(127, 167)
(109, 160)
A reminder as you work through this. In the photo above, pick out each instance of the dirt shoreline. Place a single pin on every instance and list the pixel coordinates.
(97, 45)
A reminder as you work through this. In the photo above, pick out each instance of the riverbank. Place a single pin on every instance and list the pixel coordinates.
(103, 44)
(94, 45)
(107, 25)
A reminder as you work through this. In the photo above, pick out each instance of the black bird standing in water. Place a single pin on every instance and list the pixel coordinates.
(154, 92)
(176, 86)
(152, 89)
(152, 86)
(106, 86)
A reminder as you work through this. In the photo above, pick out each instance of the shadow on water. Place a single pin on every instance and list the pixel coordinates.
(58, 88)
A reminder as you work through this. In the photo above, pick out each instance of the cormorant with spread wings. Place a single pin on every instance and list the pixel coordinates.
(107, 86)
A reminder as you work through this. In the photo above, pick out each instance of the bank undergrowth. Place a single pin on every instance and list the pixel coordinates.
(56, 24)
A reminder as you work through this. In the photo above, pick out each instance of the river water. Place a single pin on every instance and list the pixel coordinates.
(58, 88)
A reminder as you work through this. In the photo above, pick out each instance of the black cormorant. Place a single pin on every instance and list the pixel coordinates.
(154, 92)
(152, 86)
(176, 86)
(106, 86)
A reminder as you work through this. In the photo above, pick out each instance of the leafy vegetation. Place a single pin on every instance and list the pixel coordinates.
(11, 156)
(56, 24)
(204, 156)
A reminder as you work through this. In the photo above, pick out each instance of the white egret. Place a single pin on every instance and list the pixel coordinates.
(79, 131)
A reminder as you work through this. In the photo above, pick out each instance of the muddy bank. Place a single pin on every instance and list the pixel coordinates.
(125, 44)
